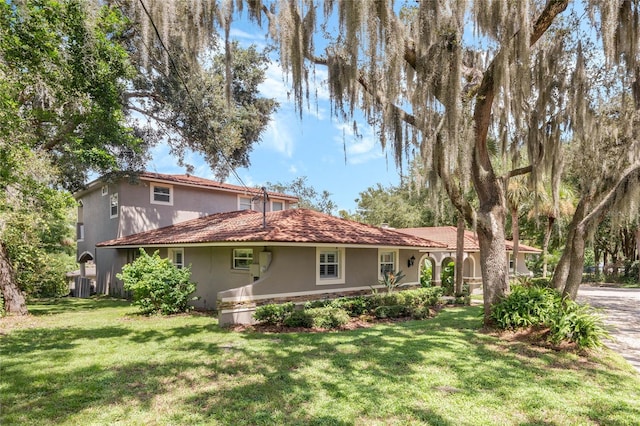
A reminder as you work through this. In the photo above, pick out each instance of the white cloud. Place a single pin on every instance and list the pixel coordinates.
(359, 148)
(278, 137)
(278, 86)
(293, 169)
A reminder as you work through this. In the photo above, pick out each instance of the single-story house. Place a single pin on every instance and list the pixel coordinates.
(243, 259)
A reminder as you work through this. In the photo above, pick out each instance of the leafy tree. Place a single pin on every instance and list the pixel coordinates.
(308, 197)
(72, 75)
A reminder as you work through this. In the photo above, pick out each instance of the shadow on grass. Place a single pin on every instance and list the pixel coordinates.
(51, 306)
(385, 374)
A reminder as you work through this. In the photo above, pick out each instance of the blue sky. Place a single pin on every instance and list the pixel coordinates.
(313, 146)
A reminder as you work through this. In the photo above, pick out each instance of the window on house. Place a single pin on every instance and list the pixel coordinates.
(113, 205)
(80, 231)
(242, 258)
(177, 257)
(244, 203)
(511, 263)
(330, 266)
(387, 261)
(105, 190)
(277, 206)
(161, 194)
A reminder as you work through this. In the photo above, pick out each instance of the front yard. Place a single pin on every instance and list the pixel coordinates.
(96, 362)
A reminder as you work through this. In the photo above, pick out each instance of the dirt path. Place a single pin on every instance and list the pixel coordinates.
(622, 312)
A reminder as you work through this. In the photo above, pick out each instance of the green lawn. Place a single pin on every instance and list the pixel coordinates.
(96, 362)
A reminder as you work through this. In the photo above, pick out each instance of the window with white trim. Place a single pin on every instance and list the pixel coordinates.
(161, 194)
(387, 261)
(244, 203)
(242, 258)
(105, 190)
(113, 205)
(277, 206)
(330, 266)
(177, 257)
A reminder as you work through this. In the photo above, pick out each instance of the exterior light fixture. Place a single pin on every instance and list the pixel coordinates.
(410, 261)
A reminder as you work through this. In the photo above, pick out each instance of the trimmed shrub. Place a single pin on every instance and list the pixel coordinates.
(354, 306)
(274, 314)
(328, 317)
(300, 318)
(390, 311)
(157, 285)
(420, 312)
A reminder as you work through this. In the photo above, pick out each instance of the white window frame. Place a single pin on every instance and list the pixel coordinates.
(105, 190)
(273, 203)
(173, 256)
(152, 194)
(114, 197)
(340, 279)
(394, 262)
(240, 199)
(237, 256)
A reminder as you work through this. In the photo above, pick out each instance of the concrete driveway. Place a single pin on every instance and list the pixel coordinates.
(621, 308)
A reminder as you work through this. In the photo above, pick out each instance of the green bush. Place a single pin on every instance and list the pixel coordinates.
(448, 278)
(390, 280)
(537, 306)
(420, 312)
(526, 306)
(300, 318)
(577, 323)
(391, 311)
(541, 282)
(354, 306)
(274, 314)
(157, 285)
(328, 317)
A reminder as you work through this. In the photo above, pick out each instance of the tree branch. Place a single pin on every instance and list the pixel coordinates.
(152, 116)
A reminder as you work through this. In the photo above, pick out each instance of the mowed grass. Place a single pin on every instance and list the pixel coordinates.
(96, 362)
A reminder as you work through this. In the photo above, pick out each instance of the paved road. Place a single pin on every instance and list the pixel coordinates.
(622, 312)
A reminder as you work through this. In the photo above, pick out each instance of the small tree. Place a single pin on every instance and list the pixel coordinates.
(158, 286)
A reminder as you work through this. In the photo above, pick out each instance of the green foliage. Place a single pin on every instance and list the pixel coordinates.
(541, 282)
(426, 275)
(539, 306)
(391, 280)
(331, 313)
(158, 286)
(448, 278)
(308, 197)
(525, 307)
(274, 314)
(297, 318)
(328, 317)
(391, 311)
(577, 323)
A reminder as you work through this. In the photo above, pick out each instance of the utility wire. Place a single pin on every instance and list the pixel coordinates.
(195, 104)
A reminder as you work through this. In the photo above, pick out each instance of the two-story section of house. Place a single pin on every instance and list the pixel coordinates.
(109, 209)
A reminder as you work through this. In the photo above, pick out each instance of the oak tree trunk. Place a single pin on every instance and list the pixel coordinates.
(14, 302)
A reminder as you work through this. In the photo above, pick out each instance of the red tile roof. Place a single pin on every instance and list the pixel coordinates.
(447, 235)
(285, 226)
(207, 183)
